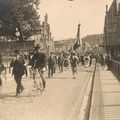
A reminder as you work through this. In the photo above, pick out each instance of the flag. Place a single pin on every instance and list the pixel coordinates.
(78, 42)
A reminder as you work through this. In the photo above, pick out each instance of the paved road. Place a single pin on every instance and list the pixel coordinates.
(60, 101)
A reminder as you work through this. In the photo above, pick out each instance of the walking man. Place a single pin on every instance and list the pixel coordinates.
(74, 61)
(60, 62)
(108, 60)
(51, 64)
(19, 69)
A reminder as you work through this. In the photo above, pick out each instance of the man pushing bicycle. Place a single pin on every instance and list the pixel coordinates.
(39, 64)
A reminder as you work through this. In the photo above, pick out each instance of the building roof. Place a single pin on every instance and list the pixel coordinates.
(115, 6)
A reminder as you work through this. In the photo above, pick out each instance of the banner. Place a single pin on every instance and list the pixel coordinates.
(78, 42)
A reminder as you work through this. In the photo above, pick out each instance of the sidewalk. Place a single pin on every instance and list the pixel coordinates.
(106, 97)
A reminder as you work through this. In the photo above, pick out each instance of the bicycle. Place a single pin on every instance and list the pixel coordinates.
(37, 83)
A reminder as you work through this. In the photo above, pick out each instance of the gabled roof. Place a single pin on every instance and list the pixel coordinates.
(113, 7)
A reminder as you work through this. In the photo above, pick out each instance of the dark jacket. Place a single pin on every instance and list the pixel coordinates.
(51, 61)
(18, 67)
(39, 60)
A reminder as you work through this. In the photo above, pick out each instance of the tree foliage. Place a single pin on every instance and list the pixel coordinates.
(21, 14)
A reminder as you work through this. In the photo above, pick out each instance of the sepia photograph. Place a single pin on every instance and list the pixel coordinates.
(59, 59)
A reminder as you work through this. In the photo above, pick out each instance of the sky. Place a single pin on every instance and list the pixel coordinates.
(65, 15)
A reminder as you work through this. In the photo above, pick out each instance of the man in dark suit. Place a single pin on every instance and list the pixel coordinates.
(19, 69)
(40, 62)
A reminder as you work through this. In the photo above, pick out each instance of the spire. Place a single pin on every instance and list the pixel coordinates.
(46, 18)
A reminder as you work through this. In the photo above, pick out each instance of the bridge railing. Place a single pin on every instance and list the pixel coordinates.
(6, 62)
(115, 68)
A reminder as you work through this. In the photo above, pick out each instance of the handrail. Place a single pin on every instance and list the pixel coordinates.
(115, 68)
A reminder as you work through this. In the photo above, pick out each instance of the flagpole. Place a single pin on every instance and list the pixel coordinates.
(77, 41)
(79, 29)
(79, 26)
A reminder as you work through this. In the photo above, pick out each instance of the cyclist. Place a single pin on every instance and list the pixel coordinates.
(39, 62)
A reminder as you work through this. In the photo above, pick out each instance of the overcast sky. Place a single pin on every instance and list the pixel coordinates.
(64, 16)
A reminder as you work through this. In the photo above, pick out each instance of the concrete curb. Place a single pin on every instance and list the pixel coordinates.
(86, 103)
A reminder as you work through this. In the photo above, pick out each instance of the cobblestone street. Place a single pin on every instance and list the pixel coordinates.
(60, 101)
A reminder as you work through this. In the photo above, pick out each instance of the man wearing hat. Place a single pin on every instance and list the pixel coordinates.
(39, 62)
(19, 70)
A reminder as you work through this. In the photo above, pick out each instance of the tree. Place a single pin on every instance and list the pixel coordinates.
(21, 14)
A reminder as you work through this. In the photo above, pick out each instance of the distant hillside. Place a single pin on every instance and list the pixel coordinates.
(93, 39)
(65, 42)
(90, 39)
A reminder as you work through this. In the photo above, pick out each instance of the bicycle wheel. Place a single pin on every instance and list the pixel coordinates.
(33, 91)
(41, 87)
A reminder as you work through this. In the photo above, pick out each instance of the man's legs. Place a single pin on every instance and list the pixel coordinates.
(61, 67)
(0, 81)
(43, 79)
(74, 72)
(49, 71)
(19, 87)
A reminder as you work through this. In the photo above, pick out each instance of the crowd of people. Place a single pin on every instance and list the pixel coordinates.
(37, 60)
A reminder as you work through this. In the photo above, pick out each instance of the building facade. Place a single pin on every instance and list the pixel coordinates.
(45, 39)
(112, 28)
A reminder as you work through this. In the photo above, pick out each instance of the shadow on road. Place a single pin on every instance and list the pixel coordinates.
(10, 97)
(59, 78)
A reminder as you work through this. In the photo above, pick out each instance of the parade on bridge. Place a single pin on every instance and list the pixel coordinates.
(57, 68)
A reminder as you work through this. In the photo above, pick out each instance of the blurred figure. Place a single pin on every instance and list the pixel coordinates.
(51, 64)
(98, 60)
(87, 60)
(108, 60)
(91, 58)
(103, 60)
(66, 59)
(82, 60)
(60, 63)
(74, 61)
(2, 68)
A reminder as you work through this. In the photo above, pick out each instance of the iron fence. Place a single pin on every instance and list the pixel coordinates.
(115, 68)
